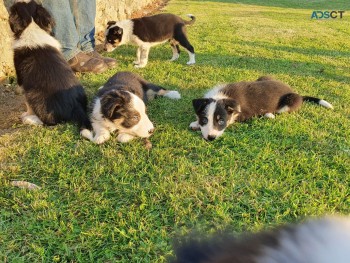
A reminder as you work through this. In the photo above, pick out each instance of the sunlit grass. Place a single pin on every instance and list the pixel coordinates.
(123, 203)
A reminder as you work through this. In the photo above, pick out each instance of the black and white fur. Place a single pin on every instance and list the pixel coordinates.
(228, 103)
(53, 94)
(322, 240)
(149, 31)
(120, 106)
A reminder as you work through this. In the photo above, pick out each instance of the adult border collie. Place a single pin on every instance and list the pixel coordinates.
(120, 106)
(52, 92)
(315, 241)
(149, 31)
(240, 101)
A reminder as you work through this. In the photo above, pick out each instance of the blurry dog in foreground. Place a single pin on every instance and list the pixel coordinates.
(316, 241)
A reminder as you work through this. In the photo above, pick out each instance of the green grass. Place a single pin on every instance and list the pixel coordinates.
(122, 203)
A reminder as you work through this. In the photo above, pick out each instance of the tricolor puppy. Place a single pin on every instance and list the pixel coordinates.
(53, 93)
(315, 241)
(120, 105)
(149, 31)
(240, 101)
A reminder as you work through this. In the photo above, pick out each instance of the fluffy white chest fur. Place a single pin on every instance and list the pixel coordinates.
(33, 37)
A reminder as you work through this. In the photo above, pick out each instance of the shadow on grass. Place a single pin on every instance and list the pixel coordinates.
(126, 54)
(275, 66)
(306, 51)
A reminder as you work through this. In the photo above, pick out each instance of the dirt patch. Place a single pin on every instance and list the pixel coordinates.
(11, 107)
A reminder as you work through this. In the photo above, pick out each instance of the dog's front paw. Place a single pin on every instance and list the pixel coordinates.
(191, 62)
(31, 119)
(87, 134)
(101, 138)
(195, 126)
(124, 137)
(136, 62)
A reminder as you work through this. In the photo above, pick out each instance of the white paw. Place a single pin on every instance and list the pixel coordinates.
(195, 126)
(31, 119)
(269, 115)
(173, 94)
(101, 138)
(124, 137)
(191, 62)
(87, 134)
(175, 57)
(136, 62)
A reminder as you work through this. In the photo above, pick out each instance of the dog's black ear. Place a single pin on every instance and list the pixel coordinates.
(110, 23)
(200, 104)
(19, 18)
(43, 19)
(112, 103)
(231, 106)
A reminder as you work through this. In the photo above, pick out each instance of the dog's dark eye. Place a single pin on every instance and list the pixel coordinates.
(221, 122)
(204, 120)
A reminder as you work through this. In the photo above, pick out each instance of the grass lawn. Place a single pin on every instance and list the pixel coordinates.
(122, 203)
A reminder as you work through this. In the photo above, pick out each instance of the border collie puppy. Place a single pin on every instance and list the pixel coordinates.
(53, 93)
(120, 105)
(315, 241)
(149, 31)
(240, 101)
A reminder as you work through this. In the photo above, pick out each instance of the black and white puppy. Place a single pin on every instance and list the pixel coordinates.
(315, 241)
(53, 93)
(149, 31)
(225, 104)
(120, 105)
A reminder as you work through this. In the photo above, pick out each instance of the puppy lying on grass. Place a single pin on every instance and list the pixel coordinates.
(120, 106)
(228, 103)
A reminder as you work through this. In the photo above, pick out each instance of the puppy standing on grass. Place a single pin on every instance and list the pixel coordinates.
(149, 31)
(53, 93)
(226, 104)
(120, 105)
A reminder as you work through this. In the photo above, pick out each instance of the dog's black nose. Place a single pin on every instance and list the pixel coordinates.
(151, 131)
(211, 137)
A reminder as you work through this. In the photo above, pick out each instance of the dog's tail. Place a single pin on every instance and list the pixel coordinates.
(193, 19)
(323, 103)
